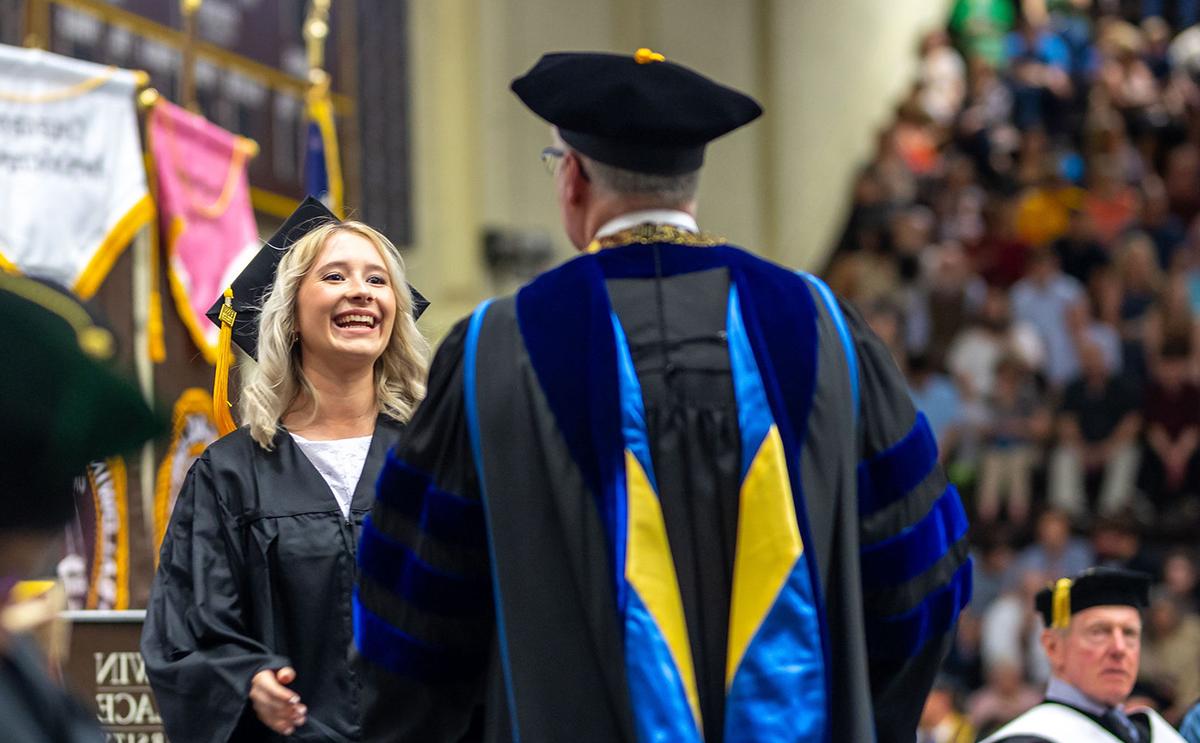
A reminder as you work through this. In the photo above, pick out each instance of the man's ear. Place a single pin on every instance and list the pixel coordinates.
(575, 181)
(1052, 641)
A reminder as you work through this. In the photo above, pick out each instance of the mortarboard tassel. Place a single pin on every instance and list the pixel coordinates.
(1061, 607)
(221, 414)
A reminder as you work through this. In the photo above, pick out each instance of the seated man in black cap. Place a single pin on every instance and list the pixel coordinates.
(1093, 640)
(628, 508)
(61, 406)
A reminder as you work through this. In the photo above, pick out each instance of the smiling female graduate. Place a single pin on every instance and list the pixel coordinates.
(249, 620)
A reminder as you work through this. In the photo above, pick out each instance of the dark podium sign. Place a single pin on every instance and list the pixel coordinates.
(106, 671)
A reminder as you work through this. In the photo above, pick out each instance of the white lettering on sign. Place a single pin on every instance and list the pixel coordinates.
(120, 669)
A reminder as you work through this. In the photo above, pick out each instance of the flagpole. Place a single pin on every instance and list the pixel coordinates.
(319, 103)
(187, 75)
(144, 291)
(37, 24)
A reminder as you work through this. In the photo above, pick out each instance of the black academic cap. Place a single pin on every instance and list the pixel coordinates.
(1092, 587)
(62, 405)
(252, 284)
(637, 112)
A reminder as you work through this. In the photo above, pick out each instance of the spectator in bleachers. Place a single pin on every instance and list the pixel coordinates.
(1172, 320)
(1171, 649)
(1166, 229)
(985, 128)
(1043, 211)
(992, 569)
(1070, 176)
(1044, 299)
(941, 302)
(992, 335)
(1181, 579)
(1011, 628)
(1097, 440)
(1016, 423)
(1005, 696)
(1117, 543)
(943, 78)
(1096, 322)
(1039, 72)
(1141, 284)
(1000, 257)
(959, 203)
(1055, 551)
(1180, 176)
(942, 720)
(1171, 467)
(980, 26)
(1079, 251)
(1111, 203)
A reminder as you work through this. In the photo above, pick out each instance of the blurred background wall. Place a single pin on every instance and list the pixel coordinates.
(828, 75)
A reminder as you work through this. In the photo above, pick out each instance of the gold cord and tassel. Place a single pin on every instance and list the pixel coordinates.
(221, 405)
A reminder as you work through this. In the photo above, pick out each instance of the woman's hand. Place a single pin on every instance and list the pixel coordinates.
(276, 705)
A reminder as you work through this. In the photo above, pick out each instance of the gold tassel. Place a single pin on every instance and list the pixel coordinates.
(221, 405)
(1061, 607)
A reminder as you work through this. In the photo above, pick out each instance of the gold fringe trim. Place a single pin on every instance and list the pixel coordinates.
(113, 244)
(118, 477)
(8, 266)
(193, 401)
(183, 303)
(83, 87)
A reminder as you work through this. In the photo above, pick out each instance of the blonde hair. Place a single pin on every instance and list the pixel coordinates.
(272, 385)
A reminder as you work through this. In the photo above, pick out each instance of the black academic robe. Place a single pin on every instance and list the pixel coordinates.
(256, 572)
(33, 709)
(544, 660)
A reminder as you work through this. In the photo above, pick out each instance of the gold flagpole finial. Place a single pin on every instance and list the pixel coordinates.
(316, 31)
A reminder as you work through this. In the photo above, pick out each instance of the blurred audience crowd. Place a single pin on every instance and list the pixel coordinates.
(1026, 238)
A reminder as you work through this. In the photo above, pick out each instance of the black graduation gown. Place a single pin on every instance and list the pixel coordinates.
(33, 709)
(256, 572)
(572, 679)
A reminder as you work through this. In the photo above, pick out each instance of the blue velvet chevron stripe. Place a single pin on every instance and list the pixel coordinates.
(397, 569)
(900, 636)
(393, 567)
(404, 655)
(565, 321)
(436, 512)
(890, 475)
(888, 478)
(904, 556)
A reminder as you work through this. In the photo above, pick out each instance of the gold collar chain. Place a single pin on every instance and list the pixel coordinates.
(648, 232)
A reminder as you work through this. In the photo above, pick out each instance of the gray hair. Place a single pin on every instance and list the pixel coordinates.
(670, 189)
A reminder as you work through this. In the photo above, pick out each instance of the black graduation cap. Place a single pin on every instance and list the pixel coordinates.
(237, 311)
(62, 404)
(637, 112)
(1093, 587)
